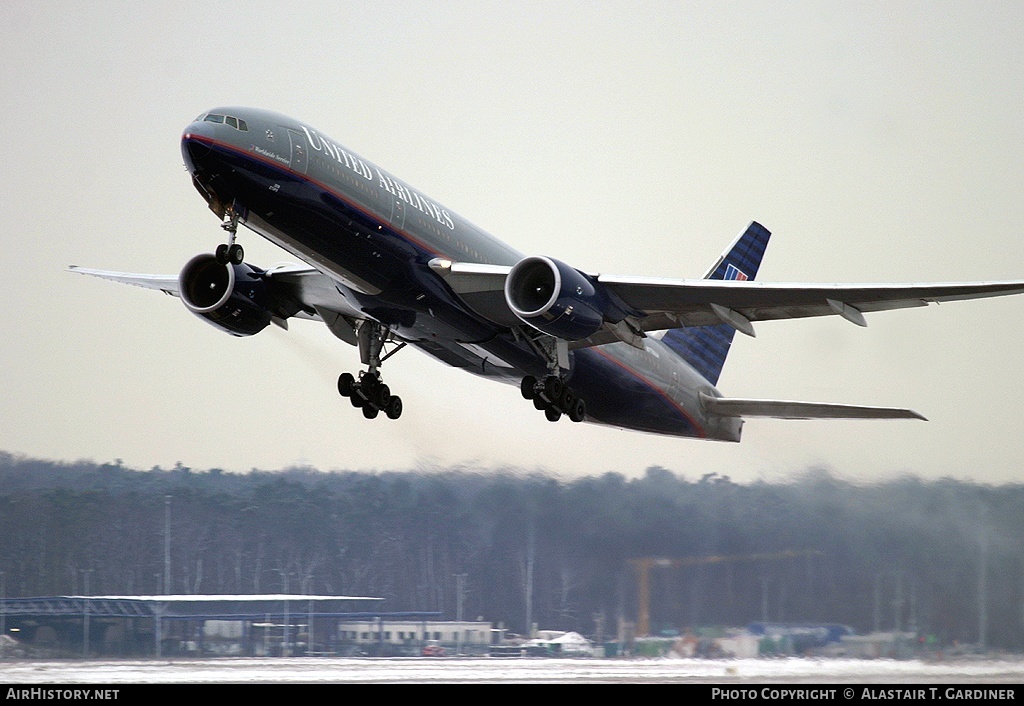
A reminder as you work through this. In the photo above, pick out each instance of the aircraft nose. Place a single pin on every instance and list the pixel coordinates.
(193, 149)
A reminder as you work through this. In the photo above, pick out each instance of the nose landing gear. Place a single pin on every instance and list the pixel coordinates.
(230, 251)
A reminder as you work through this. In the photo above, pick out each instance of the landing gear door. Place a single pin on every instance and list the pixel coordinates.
(300, 156)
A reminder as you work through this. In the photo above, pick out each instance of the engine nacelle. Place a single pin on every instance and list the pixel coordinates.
(234, 298)
(555, 299)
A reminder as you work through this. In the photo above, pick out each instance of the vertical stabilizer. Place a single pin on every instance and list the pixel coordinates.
(706, 347)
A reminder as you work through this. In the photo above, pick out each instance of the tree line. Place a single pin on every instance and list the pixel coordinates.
(938, 557)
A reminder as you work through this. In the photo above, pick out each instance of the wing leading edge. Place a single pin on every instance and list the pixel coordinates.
(168, 284)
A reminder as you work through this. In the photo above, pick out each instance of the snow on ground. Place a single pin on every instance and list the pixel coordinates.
(483, 670)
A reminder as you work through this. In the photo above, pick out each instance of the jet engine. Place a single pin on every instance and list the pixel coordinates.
(556, 299)
(234, 298)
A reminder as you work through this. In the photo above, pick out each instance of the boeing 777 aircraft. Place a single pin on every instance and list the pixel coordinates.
(386, 267)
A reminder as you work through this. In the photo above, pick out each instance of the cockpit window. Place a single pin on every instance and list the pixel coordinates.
(228, 120)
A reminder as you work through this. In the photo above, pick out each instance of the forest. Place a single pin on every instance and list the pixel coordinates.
(936, 557)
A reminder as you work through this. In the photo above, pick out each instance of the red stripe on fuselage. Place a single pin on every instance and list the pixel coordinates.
(701, 432)
(250, 154)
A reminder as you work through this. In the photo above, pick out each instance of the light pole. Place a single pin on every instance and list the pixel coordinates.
(309, 629)
(85, 615)
(284, 578)
(460, 590)
(530, 550)
(167, 544)
(307, 586)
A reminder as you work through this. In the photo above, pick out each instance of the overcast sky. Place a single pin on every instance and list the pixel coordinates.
(878, 141)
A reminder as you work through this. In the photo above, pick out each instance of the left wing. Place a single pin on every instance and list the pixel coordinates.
(690, 302)
(671, 303)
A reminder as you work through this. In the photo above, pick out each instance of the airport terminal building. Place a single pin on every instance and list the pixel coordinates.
(241, 625)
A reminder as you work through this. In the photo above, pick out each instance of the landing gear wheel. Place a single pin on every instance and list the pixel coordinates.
(236, 254)
(368, 383)
(221, 253)
(357, 399)
(370, 412)
(553, 397)
(567, 400)
(394, 408)
(527, 387)
(553, 388)
(382, 395)
(578, 411)
(346, 384)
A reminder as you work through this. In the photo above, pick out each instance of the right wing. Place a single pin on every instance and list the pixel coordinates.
(168, 284)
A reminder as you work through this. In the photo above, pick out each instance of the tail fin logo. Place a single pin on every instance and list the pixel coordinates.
(735, 273)
(705, 348)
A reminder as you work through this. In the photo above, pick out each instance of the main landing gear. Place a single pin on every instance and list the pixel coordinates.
(552, 396)
(230, 251)
(369, 392)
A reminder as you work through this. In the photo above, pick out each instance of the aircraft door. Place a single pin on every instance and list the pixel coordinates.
(300, 156)
(397, 212)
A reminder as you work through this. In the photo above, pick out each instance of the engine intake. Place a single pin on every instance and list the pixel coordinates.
(234, 298)
(555, 298)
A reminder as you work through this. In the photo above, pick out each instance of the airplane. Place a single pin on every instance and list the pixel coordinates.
(387, 267)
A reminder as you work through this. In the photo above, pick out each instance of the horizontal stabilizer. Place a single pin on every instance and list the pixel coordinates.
(787, 409)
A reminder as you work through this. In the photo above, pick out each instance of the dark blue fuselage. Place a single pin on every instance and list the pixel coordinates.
(375, 235)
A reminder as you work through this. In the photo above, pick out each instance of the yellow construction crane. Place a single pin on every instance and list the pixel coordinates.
(644, 565)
